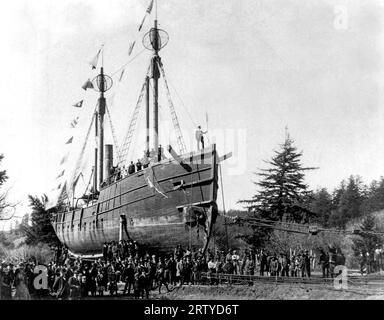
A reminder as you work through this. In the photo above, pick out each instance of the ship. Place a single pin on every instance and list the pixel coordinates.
(171, 201)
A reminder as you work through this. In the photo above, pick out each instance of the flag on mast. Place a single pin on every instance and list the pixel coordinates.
(87, 85)
(131, 47)
(61, 174)
(142, 22)
(94, 61)
(64, 159)
(149, 10)
(69, 140)
(78, 104)
(121, 75)
(74, 122)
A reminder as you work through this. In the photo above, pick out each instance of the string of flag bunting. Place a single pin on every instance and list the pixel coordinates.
(133, 43)
(60, 178)
(89, 85)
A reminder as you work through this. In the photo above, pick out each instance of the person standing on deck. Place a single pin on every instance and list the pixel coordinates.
(131, 168)
(199, 135)
(138, 165)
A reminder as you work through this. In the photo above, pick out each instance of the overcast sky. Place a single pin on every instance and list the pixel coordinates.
(254, 66)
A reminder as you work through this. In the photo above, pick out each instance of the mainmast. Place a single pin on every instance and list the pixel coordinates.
(101, 111)
(154, 36)
(147, 116)
(154, 40)
(102, 83)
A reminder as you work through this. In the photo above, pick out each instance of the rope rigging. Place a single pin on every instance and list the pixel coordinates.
(183, 104)
(175, 121)
(113, 132)
(132, 126)
(80, 159)
(127, 63)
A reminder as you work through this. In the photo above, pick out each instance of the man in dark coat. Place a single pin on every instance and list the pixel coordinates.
(160, 275)
(324, 263)
(74, 287)
(61, 287)
(307, 262)
(138, 165)
(131, 168)
(263, 262)
(6, 283)
(128, 276)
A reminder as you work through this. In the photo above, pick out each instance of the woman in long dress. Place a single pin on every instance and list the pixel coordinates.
(22, 292)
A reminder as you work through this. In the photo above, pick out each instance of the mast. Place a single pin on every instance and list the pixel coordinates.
(154, 40)
(147, 115)
(155, 75)
(101, 112)
(96, 151)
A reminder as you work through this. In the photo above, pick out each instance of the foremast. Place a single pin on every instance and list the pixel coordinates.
(102, 83)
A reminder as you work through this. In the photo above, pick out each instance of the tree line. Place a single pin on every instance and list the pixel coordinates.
(282, 195)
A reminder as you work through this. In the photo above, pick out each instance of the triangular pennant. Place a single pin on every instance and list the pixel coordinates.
(64, 159)
(131, 47)
(121, 75)
(80, 103)
(76, 180)
(87, 85)
(149, 9)
(74, 122)
(94, 61)
(61, 174)
(69, 140)
(142, 22)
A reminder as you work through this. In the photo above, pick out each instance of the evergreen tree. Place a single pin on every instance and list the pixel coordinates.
(283, 195)
(41, 229)
(366, 242)
(375, 197)
(348, 204)
(322, 206)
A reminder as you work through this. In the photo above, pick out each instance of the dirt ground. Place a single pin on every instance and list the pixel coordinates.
(270, 292)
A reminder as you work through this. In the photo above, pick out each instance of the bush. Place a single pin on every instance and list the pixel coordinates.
(40, 253)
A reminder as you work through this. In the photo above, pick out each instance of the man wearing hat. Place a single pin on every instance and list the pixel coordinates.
(74, 285)
(128, 276)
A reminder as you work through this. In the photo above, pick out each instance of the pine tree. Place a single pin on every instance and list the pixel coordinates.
(322, 206)
(349, 202)
(367, 242)
(283, 195)
(41, 229)
(375, 197)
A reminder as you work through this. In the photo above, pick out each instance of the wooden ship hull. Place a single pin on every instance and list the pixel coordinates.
(170, 203)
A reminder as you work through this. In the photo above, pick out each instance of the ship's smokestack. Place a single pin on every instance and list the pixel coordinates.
(108, 160)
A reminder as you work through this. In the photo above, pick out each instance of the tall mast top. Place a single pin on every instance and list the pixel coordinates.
(155, 39)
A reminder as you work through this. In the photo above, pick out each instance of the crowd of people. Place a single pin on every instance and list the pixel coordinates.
(138, 273)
